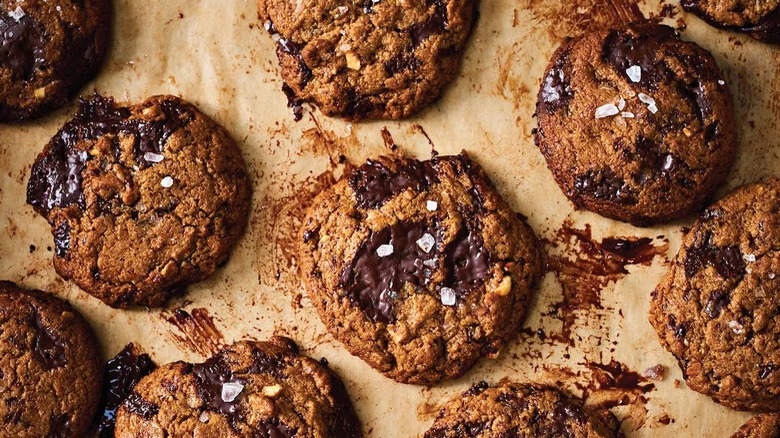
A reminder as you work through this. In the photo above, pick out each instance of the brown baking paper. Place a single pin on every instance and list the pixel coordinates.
(216, 54)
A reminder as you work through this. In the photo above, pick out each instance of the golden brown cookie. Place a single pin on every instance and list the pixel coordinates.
(419, 268)
(250, 389)
(48, 50)
(360, 59)
(50, 367)
(636, 124)
(761, 426)
(758, 18)
(142, 200)
(520, 410)
(717, 308)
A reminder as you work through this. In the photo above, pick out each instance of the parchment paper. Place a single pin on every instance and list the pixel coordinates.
(216, 54)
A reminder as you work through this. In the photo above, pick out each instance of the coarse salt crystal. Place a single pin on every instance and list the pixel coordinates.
(426, 242)
(431, 263)
(772, 275)
(17, 13)
(627, 114)
(653, 109)
(432, 205)
(167, 182)
(447, 296)
(721, 82)
(153, 157)
(342, 10)
(607, 110)
(384, 250)
(634, 73)
(736, 327)
(750, 257)
(231, 391)
(621, 104)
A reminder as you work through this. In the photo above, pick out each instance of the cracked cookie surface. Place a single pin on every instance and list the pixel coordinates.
(48, 50)
(761, 426)
(142, 199)
(357, 59)
(717, 308)
(50, 366)
(419, 267)
(636, 124)
(758, 18)
(520, 410)
(258, 389)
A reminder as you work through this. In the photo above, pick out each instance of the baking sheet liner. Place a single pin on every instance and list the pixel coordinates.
(587, 331)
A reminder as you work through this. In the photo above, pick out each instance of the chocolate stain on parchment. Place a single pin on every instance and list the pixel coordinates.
(572, 18)
(195, 331)
(584, 266)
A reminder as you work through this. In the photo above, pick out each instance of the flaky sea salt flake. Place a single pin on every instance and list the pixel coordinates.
(167, 182)
(432, 205)
(426, 242)
(384, 250)
(750, 258)
(448, 296)
(231, 391)
(153, 157)
(736, 327)
(607, 110)
(634, 73)
(627, 114)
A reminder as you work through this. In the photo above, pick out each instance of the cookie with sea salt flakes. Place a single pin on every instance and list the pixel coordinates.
(760, 426)
(520, 410)
(758, 18)
(142, 199)
(357, 59)
(48, 50)
(419, 267)
(50, 367)
(636, 124)
(250, 389)
(717, 308)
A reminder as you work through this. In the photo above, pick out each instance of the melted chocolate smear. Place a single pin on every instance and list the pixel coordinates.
(59, 426)
(556, 90)
(727, 261)
(62, 239)
(22, 48)
(435, 24)
(622, 50)
(374, 184)
(137, 405)
(632, 252)
(210, 377)
(345, 421)
(56, 178)
(604, 184)
(293, 102)
(616, 375)
(48, 349)
(197, 331)
(121, 375)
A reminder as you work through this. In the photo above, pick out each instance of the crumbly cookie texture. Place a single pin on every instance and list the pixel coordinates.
(759, 18)
(48, 50)
(514, 410)
(142, 199)
(263, 389)
(50, 366)
(359, 59)
(418, 267)
(716, 309)
(636, 124)
(761, 426)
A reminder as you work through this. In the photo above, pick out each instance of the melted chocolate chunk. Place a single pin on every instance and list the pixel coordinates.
(467, 260)
(373, 281)
(623, 49)
(22, 48)
(470, 429)
(401, 63)
(59, 426)
(435, 24)
(767, 29)
(137, 405)
(477, 388)
(48, 349)
(604, 184)
(717, 302)
(346, 423)
(559, 424)
(210, 378)
(727, 261)
(556, 90)
(655, 162)
(293, 102)
(56, 178)
(273, 428)
(62, 239)
(764, 371)
(374, 184)
(265, 364)
(121, 375)
(295, 50)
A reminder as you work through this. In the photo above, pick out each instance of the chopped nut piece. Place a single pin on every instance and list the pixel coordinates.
(353, 61)
(40, 93)
(504, 287)
(655, 373)
(272, 391)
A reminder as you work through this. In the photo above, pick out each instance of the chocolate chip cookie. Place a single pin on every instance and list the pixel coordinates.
(762, 426)
(142, 199)
(759, 18)
(717, 308)
(636, 124)
(50, 367)
(419, 268)
(515, 410)
(359, 59)
(48, 50)
(257, 389)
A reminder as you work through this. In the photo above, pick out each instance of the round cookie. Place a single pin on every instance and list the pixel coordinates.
(382, 59)
(759, 18)
(716, 309)
(635, 124)
(263, 389)
(50, 367)
(142, 199)
(514, 410)
(48, 50)
(761, 426)
(419, 268)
